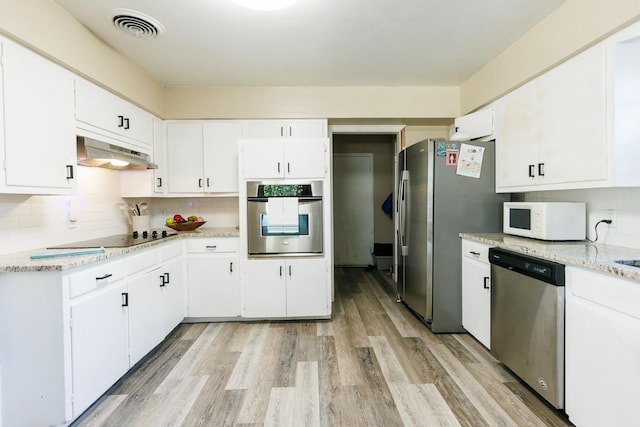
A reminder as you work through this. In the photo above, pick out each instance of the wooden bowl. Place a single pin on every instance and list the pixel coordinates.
(185, 226)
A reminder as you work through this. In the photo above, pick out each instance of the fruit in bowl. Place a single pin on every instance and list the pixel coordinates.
(179, 223)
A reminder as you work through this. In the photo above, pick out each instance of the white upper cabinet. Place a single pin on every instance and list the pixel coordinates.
(220, 146)
(552, 132)
(575, 126)
(475, 125)
(39, 130)
(625, 62)
(284, 158)
(202, 157)
(316, 128)
(101, 114)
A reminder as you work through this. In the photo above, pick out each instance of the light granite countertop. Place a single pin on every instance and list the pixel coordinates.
(594, 256)
(22, 262)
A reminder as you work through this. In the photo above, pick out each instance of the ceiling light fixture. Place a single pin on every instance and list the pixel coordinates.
(265, 4)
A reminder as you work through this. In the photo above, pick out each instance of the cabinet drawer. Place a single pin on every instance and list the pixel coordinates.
(621, 295)
(142, 261)
(475, 250)
(91, 278)
(212, 245)
(169, 251)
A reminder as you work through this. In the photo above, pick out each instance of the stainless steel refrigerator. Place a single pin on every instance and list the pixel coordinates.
(445, 188)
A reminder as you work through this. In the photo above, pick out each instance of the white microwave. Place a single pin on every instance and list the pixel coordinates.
(545, 220)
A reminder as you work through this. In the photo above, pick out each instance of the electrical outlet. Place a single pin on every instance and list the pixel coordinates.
(611, 215)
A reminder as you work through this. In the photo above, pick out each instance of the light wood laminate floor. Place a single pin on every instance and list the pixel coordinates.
(372, 364)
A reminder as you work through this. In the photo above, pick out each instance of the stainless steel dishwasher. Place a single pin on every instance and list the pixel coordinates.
(527, 320)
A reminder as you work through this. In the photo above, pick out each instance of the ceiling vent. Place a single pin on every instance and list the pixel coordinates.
(136, 24)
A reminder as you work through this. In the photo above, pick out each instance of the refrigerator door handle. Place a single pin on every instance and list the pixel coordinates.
(404, 202)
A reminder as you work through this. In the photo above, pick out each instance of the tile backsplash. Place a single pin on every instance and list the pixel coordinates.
(96, 210)
(621, 205)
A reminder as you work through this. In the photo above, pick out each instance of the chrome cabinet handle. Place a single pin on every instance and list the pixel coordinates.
(69, 171)
(125, 299)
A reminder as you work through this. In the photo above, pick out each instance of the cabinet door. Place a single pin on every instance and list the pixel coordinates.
(264, 289)
(102, 110)
(477, 124)
(146, 313)
(159, 158)
(221, 156)
(263, 158)
(99, 343)
(476, 299)
(572, 121)
(307, 290)
(185, 158)
(516, 140)
(172, 294)
(306, 129)
(305, 158)
(214, 286)
(264, 129)
(39, 126)
(602, 349)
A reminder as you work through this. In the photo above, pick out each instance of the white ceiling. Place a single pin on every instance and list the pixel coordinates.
(317, 42)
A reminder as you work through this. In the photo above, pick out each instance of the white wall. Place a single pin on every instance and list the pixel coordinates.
(32, 222)
(622, 205)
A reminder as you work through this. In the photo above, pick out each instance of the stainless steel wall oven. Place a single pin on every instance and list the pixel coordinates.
(284, 218)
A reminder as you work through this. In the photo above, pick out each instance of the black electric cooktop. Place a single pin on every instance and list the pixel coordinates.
(118, 240)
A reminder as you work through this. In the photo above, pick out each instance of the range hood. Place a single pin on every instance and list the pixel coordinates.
(92, 152)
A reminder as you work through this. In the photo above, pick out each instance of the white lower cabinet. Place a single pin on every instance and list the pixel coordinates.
(213, 278)
(602, 349)
(155, 297)
(146, 317)
(99, 343)
(476, 291)
(285, 288)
